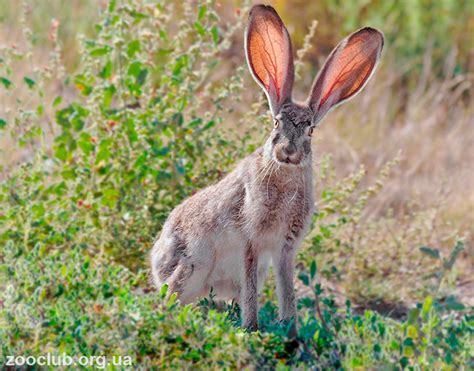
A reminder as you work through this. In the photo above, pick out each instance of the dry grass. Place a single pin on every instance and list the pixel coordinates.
(434, 134)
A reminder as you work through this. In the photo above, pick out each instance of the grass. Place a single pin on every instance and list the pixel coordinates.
(103, 135)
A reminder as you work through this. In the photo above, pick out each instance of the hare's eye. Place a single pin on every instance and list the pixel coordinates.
(276, 124)
(310, 131)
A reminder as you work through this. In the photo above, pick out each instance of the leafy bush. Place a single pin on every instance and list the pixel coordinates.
(133, 132)
(132, 143)
(67, 301)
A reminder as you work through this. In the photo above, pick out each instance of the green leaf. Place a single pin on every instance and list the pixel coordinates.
(112, 4)
(458, 248)
(85, 143)
(177, 119)
(110, 197)
(31, 83)
(140, 160)
(202, 12)
(325, 230)
(104, 151)
(142, 76)
(61, 152)
(133, 48)
(427, 304)
(69, 174)
(377, 348)
(134, 69)
(209, 125)
(139, 73)
(172, 300)
(394, 345)
(215, 34)
(312, 269)
(181, 62)
(163, 290)
(106, 72)
(408, 351)
(57, 101)
(137, 15)
(3, 123)
(72, 117)
(408, 342)
(99, 52)
(412, 331)
(7, 83)
(451, 303)
(434, 253)
(356, 362)
(131, 131)
(38, 210)
(195, 122)
(304, 278)
(84, 83)
(404, 362)
(413, 315)
(200, 28)
(40, 110)
(109, 92)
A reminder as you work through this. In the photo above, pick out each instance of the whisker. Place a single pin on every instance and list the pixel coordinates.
(268, 181)
(263, 169)
(267, 169)
(260, 173)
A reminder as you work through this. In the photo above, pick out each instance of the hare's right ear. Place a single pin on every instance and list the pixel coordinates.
(346, 71)
(269, 55)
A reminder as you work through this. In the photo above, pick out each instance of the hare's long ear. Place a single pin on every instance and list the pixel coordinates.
(269, 55)
(346, 71)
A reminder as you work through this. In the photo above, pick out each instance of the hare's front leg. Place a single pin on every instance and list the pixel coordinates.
(249, 293)
(284, 272)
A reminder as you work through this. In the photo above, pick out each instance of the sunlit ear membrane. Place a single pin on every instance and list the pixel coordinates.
(269, 55)
(346, 71)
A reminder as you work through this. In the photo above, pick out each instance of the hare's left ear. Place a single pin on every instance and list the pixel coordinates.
(346, 71)
(269, 55)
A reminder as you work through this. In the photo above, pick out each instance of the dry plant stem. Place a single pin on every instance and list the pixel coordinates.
(320, 315)
(300, 54)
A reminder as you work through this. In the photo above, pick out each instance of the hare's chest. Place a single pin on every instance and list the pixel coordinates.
(277, 214)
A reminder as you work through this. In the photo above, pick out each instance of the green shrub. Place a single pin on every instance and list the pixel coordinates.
(133, 141)
(67, 301)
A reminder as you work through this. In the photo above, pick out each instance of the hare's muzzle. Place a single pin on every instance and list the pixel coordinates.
(288, 154)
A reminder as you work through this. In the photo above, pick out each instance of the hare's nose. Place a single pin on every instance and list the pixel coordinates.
(289, 149)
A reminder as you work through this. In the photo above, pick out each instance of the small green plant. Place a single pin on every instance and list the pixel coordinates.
(425, 339)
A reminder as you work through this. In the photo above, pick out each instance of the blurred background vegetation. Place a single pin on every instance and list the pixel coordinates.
(112, 112)
(410, 27)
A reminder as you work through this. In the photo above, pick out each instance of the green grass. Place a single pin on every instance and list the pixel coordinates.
(68, 301)
(107, 151)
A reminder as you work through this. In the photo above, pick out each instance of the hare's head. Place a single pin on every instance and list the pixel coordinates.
(270, 59)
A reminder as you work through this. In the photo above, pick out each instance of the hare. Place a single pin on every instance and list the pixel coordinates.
(224, 237)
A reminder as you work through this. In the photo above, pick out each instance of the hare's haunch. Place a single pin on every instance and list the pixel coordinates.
(225, 236)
